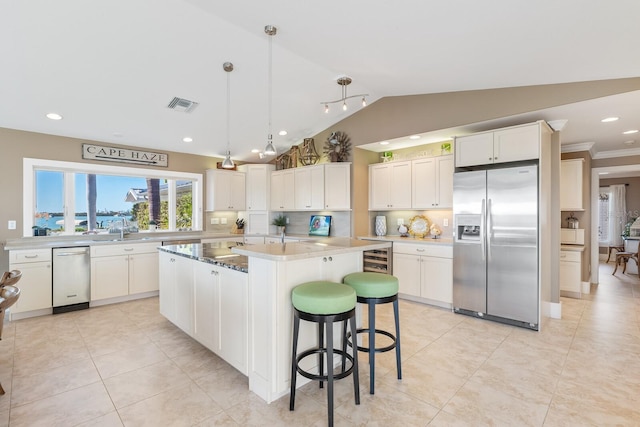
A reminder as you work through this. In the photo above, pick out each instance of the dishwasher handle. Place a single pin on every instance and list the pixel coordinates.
(70, 253)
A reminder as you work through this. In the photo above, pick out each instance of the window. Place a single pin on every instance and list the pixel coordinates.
(603, 216)
(73, 198)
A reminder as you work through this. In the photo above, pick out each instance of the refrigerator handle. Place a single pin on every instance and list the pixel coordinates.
(482, 228)
(489, 229)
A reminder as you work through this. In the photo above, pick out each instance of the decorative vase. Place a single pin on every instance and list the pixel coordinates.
(381, 225)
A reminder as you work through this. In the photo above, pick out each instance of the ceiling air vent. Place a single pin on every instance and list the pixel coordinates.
(181, 104)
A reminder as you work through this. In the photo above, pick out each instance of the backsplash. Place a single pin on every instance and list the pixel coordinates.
(435, 217)
(230, 217)
(299, 222)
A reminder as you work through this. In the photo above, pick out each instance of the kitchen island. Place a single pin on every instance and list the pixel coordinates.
(236, 299)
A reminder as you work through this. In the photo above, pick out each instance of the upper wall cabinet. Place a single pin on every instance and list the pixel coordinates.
(282, 197)
(337, 186)
(571, 185)
(309, 187)
(258, 177)
(500, 146)
(225, 190)
(390, 186)
(432, 183)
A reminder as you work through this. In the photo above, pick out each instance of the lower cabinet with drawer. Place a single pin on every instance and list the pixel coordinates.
(570, 274)
(35, 284)
(424, 272)
(121, 270)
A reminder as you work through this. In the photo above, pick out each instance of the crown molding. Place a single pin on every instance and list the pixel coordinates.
(581, 146)
(617, 153)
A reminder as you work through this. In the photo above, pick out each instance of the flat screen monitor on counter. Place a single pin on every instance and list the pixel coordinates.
(319, 225)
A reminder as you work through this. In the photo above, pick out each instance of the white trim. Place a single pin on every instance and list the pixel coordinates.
(28, 176)
(617, 153)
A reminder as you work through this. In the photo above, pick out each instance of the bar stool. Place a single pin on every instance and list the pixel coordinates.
(372, 289)
(324, 303)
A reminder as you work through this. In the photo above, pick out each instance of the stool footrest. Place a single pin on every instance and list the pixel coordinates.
(377, 349)
(336, 376)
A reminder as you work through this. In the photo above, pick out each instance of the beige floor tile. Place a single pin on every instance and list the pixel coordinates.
(226, 386)
(129, 359)
(199, 363)
(184, 406)
(255, 412)
(220, 420)
(110, 342)
(4, 418)
(29, 388)
(131, 387)
(573, 411)
(64, 409)
(112, 419)
(176, 343)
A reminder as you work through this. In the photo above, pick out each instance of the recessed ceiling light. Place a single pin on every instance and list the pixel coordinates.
(629, 132)
(414, 137)
(255, 150)
(54, 116)
(609, 119)
(384, 143)
(282, 133)
(187, 139)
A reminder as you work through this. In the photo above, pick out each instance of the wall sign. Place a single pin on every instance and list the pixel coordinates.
(122, 155)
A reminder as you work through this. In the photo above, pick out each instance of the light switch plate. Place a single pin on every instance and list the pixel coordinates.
(445, 222)
(215, 221)
(11, 225)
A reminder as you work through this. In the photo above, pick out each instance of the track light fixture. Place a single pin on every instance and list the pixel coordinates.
(345, 81)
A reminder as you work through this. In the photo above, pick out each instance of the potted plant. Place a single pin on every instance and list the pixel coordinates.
(280, 221)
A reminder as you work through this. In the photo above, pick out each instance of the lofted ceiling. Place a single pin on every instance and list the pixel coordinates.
(111, 68)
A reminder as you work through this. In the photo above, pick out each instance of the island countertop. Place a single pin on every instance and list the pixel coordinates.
(217, 253)
(302, 250)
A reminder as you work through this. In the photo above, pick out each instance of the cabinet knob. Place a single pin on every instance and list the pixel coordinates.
(420, 250)
(172, 260)
(330, 259)
(324, 259)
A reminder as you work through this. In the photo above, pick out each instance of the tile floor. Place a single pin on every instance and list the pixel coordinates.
(126, 365)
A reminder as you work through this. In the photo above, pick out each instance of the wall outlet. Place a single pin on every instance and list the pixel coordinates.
(223, 221)
(445, 222)
(215, 221)
(400, 221)
(11, 225)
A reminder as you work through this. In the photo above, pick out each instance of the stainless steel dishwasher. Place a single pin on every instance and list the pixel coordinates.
(71, 279)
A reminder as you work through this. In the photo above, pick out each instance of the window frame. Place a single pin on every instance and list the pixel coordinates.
(30, 165)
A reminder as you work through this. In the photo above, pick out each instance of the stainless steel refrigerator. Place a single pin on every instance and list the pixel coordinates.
(495, 248)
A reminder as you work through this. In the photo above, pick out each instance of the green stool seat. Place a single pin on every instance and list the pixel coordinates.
(323, 297)
(372, 285)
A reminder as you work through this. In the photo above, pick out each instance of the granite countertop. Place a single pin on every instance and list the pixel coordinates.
(301, 250)
(447, 241)
(216, 253)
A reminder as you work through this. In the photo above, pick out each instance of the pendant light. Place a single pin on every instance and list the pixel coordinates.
(270, 30)
(228, 163)
(345, 81)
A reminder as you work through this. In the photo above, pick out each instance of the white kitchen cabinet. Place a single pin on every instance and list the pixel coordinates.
(432, 183)
(337, 186)
(499, 146)
(123, 269)
(35, 283)
(390, 186)
(232, 306)
(570, 273)
(253, 240)
(176, 290)
(309, 188)
(258, 186)
(206, 325)
(282, 190)
(424, 272)
(571, 185)
(225, 190)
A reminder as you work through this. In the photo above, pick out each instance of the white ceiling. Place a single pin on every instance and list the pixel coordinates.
(111, 68)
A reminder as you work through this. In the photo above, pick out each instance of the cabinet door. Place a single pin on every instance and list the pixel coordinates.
(337, 186)
(206, 312)
(237, 194)
(474, 149)
(571, 185)
(437, 279)
(109, 277)
(444, 180)
(519, 143)
(335, 267)
(400, 185)
(258, 181)
(225, 190)
(35, 286)
(232, 307)
(423, 184)
(379, 184)
(143, 273)
(309, 187)
(282, 190)
(184, 294)
(407, 269)
(167, 284)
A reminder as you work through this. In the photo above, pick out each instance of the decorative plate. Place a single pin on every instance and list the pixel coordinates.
(419, 226)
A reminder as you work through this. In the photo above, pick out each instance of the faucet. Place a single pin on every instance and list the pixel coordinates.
(282, 236)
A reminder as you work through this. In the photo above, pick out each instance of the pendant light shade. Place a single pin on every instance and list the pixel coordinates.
(228, 163)
(270, 30)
